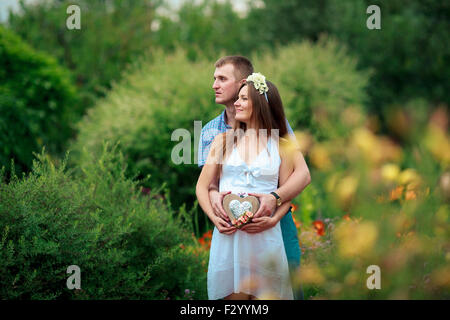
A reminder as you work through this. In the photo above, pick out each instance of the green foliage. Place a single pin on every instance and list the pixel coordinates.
(36, 102)
(309, 205)
(142, 112)
(112, 34)
(409, 54)
(203, 28)
(316, 82)
(128, 245)
(288, 20)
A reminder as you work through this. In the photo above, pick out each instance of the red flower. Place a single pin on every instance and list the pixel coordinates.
(205, 240)
(320, 227)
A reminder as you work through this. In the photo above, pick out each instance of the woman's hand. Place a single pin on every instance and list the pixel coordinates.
(223, 226)
(216, 199)
(260, 224)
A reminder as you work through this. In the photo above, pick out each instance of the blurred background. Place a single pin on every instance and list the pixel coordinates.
(86, 118)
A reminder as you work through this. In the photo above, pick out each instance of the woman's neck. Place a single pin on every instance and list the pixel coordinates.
(251, 125)
(230, 114)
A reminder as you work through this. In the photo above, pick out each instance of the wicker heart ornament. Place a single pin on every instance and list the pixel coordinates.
(240, 210)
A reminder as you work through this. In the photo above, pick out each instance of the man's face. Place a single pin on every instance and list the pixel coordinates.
(225, 84)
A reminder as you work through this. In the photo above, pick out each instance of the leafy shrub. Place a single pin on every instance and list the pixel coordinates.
(128, 245)
(143, 111)
(36, 102)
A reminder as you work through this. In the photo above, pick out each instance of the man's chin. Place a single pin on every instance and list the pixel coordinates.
(220, 101)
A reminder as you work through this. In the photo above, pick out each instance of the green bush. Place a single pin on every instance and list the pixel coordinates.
(316, 83)
(142, 112)
(36, 103)
(127, 244)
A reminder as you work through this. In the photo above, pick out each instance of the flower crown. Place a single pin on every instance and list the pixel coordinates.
(259, 81)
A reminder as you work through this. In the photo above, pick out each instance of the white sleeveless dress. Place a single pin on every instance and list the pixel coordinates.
(252, 263)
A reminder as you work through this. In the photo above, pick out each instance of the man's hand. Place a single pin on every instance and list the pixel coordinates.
(216, 199)
(259, 224)
(223, 226)
(267, 204)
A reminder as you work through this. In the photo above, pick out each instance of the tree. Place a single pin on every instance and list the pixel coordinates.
(112, 33)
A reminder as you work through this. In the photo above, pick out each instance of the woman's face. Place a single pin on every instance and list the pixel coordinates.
(243, 106)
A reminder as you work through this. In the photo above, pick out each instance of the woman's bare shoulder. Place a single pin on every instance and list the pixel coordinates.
(219, 140)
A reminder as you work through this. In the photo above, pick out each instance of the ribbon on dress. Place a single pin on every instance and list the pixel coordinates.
(248, 175)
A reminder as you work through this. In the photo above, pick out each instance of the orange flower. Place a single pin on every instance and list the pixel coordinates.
(410, 195)
(208, 234)
(346, 217)
(297, 224)
(294, 207)
(320, 227)
(205, 240)
(396, 193)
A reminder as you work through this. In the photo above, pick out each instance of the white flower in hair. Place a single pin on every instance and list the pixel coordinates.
(259, 81)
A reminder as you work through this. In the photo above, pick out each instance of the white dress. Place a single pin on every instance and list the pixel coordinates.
(253, 263)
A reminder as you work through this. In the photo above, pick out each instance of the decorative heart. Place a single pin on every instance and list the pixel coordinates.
(240, 210)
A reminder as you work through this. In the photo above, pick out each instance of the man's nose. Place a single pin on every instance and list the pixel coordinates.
(215, 85)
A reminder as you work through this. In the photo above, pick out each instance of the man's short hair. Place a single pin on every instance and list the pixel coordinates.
(242, 65)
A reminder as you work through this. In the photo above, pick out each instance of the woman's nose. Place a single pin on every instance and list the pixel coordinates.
(236, 103)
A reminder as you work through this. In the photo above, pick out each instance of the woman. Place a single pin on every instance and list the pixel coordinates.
(248, 160)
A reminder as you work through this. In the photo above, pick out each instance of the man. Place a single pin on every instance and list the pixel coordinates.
(229, 75)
